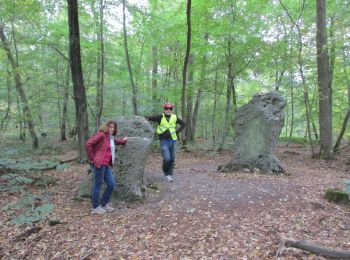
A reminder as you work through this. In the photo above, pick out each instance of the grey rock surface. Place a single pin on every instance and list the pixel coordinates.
(129, 165)
(257, 126)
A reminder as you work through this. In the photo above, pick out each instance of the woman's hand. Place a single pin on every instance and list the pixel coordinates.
(121, 141)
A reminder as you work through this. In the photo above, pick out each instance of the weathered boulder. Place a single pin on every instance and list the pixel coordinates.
(257, 126)
(130, 160)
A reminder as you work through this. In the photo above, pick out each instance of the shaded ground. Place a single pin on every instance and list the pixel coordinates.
(203, 214)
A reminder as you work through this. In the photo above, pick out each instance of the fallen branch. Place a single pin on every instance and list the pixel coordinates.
(27, 233)
(316, 249)
(68, 160)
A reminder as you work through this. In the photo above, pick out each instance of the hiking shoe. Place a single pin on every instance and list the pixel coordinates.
(98, 210)
(167, 178)
(108, 208)
(170, 178)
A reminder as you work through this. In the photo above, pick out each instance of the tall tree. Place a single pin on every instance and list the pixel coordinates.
(5, 121)
(200, 88)
(126, 49)
(325, 117)
(185, 64)
(154, 78)
(99, 24)
(296, 22)
(81, 113)
(347, 82)
(189, 100)
(228, 94)
(19, 86)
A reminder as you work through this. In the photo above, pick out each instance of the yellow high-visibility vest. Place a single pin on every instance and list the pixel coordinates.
(171, 125)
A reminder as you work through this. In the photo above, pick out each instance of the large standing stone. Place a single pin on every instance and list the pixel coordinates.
(130, 161)
(257, 126)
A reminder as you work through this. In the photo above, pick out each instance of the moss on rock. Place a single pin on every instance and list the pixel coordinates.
(337, 196)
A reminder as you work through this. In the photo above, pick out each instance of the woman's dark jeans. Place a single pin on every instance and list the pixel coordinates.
(100, 174)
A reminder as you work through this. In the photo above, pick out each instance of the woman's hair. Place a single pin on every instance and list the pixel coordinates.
(105, 126)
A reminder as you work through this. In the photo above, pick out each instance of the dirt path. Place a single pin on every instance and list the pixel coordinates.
(201, 215)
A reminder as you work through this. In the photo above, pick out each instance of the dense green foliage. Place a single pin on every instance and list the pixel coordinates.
(264, 55)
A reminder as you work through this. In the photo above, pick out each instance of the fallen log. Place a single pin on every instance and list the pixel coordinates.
(291, 152)
(313, 248)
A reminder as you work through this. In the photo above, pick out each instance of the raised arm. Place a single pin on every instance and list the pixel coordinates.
(155, 118)
(120, 141)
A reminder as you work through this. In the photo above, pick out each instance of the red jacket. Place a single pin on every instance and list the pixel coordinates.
(96, 147)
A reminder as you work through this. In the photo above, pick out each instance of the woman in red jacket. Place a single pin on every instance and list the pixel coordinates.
(100, 150)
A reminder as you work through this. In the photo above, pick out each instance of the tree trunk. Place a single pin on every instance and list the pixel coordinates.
(301, 72)
(346, 119)
(123, 102)
(184, 69)
(325, 117)
(228, 94)
(342, 131)
(20, 89)
(200, 88)
(65, 105)
(155, 107)
(291, 72)
(213, 128)
(5, 121)
(332, 61)
(64, 113)
(59, 103)
(22, 132)
(99, 21)
(189, 102)
(345, 62)
(291, 104)
(77, 79)
(126, 49)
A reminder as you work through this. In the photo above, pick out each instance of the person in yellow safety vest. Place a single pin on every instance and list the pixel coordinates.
(167, 132)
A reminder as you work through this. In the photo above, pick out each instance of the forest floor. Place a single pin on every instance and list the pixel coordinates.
(203, 214)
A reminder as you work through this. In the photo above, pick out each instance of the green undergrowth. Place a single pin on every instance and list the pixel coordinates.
(28, 207)
(23, 177)
(297, 140)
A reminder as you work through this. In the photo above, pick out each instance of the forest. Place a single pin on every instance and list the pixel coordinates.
(68, 66)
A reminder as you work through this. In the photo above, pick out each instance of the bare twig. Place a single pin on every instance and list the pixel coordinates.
(87, 256)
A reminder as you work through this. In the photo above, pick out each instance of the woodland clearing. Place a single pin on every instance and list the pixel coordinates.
(203, 214)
